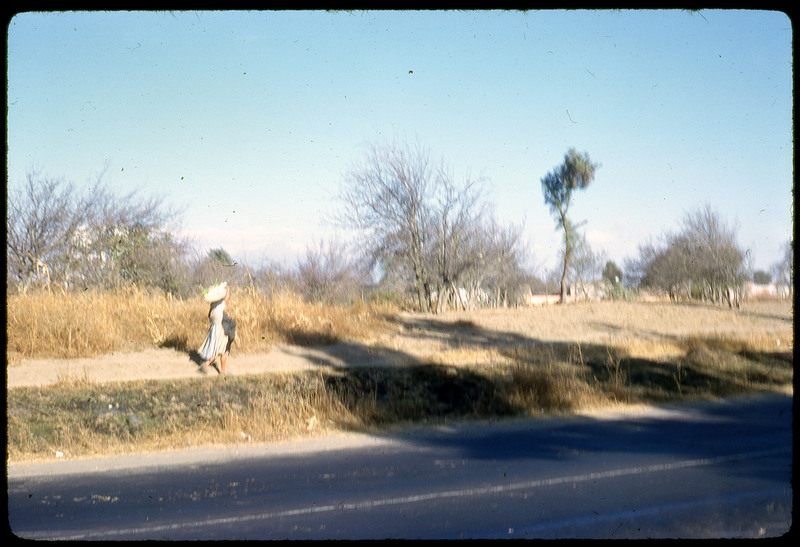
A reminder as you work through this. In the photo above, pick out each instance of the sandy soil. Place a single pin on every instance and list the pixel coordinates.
(161, 363)
(417, 336)
(167, 363)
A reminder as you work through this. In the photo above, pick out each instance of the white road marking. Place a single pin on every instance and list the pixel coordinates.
(571, 524)
(383, 502)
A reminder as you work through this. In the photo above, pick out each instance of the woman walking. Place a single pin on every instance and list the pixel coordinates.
(221, 330)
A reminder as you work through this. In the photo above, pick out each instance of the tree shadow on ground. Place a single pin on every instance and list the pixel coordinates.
(757, 426)
(414, 392)
(545, 375)
(379, 385)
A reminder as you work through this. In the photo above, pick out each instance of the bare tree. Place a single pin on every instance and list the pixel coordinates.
(636, 266)
(410, 214)
(783, 270)
(91, 238)
(586, 265)
(456, 227)
(386, 197)
(422, 224)
(719, 261)
(495, 275)
(672, 268)
(271, 278)
(327, 275)
(43, 217)
(701, 261)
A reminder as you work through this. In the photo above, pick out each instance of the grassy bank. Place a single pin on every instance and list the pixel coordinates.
(476, 365)
(85, 324)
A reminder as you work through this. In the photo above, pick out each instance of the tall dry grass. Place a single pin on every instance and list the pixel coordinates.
(90, 323)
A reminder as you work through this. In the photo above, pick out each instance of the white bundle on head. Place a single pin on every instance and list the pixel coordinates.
(215, 292)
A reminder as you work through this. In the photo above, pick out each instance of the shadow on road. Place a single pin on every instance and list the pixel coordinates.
(554, 375)
(381, 386)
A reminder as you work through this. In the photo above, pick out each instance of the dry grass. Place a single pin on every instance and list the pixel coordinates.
(468, 365)
(44, 325)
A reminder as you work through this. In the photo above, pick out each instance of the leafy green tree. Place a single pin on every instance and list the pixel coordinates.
(611, 273)
(221, 255)
(762, 277)
(576, 173)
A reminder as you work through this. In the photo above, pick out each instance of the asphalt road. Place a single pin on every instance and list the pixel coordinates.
(714, 470)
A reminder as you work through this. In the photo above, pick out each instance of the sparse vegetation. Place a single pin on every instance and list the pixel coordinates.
(98, 273)
(704, 261)
(428, 230)
(469, 365)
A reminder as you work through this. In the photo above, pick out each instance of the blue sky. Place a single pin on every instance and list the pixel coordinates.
(250, 120)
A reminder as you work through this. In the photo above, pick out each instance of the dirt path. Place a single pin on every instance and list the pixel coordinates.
(168, 363)
(603, 324)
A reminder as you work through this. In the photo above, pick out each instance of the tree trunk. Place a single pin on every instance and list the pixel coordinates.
(421, 296)
(458, 299)
(567, 253)
(423, 292)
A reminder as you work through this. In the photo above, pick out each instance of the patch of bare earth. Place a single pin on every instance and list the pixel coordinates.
(629, 328)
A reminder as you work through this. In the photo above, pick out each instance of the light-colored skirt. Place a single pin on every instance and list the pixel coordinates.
(215, 344)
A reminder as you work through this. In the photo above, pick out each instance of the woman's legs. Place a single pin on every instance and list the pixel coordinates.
(223, 358)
